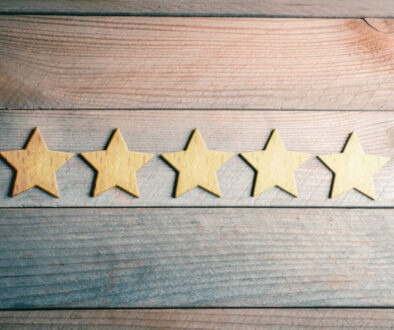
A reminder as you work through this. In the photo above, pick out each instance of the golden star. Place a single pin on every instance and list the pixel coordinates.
(275, 166)
(197, 166)
(116, 166)
(36, 165)
(353, 169)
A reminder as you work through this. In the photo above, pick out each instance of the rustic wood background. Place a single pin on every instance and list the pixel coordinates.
(235, 69)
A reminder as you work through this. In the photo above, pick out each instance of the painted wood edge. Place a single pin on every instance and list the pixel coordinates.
(266, 8)
(201, 318)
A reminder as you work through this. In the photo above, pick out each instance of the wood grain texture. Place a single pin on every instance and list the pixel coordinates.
(158, 132)
(226, 319)
(195, 257)
(60, 62)
(318, 8)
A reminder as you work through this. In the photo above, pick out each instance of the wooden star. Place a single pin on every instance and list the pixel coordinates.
(353, 169)
(116, 166)
(36, 165)
(275, 166)
(197, 166)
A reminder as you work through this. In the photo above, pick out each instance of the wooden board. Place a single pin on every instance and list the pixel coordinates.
(158, 132)
(201, 319)
(239, 251)
(190, 62)
(318, 8)
(166, 257)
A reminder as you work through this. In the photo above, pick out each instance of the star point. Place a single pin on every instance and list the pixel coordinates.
(353, 169)
(197, 166)
(36, 165)
(116, 166)
(275, 166)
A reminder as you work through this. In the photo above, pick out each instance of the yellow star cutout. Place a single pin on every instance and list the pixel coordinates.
(353, 169)
(36, 165)
(197, 166)
(275, 166)
(116, 166)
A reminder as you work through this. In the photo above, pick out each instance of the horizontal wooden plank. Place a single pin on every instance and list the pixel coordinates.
(166, 257)
(318, 8)
(201, 319)
(157, 132)
(190, 62)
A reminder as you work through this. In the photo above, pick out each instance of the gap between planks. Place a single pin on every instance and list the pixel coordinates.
(294, 8)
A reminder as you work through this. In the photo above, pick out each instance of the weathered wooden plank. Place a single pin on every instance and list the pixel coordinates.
(195, 257)
(201, 319)
(180, 62)
(156, 132)
(315, 8)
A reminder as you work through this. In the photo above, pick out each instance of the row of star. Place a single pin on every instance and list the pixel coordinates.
(116, 166)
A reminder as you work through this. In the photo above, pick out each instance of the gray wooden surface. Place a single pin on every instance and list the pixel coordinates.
(298, 8)
(78, 62)
(226, 319)
(314, 132)
(166, 257)
(200, 257)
